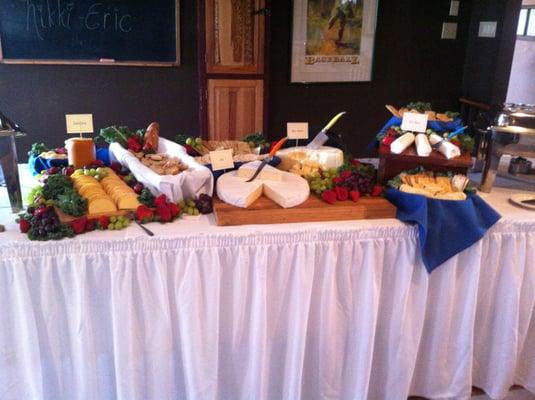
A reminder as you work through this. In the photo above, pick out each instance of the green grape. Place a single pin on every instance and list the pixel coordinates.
(196, 212)
(113, 219)
(111, 226)
(182, 204)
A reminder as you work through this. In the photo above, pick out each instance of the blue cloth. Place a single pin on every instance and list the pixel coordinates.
(37, 164)
(445, 227)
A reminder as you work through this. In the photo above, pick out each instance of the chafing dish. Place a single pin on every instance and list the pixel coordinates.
(8, 161)
(513, 132)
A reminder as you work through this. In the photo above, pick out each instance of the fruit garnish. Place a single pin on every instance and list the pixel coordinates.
(354, 195)
(377, 190)
(341, 193)
(329, 196)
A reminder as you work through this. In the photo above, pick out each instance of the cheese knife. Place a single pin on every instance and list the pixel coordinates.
(266, 160)
(531, 202)
(322, 137)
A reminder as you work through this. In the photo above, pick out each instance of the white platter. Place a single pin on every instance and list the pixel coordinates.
(519, 197)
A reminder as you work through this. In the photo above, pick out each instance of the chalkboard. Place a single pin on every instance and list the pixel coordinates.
(90, 31)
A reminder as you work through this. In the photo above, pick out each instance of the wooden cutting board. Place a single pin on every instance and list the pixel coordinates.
(266, 211)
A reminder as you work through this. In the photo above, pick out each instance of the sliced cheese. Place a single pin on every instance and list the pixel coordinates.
(290, 191)
(128, 202)
(268, 172)
(305, 161)
(101, 205)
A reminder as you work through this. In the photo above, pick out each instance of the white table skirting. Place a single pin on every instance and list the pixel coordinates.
(311, 315)
(302, 311)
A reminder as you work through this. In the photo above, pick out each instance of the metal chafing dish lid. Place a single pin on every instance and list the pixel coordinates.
(516, 118)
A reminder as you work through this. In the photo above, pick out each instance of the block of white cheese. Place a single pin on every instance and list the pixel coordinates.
(304, 161)
(290, 191)
(268, 174)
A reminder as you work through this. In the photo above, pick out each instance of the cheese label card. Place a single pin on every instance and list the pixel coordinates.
(79, 123)
(414, 122)
(221, 159)
(297, 130)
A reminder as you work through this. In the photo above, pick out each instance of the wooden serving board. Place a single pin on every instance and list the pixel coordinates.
(65, 218)
(391, 164)
(266, 211)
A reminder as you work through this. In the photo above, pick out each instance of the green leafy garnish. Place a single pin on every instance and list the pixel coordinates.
(119, 134)
(37, 148)
(72, 203)
(419, 106)
(56, 185)
(146, 197)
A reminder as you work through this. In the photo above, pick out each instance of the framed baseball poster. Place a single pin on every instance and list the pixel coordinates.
(333, 40)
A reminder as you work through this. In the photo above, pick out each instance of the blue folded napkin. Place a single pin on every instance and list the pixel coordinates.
(37, 163)
(445, 227)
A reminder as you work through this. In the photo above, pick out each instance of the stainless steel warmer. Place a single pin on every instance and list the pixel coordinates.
(513, 133)
(8, 161)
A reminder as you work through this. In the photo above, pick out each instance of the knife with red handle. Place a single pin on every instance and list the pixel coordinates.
(266, 160)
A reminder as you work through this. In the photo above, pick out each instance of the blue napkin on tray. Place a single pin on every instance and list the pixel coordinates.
(445, 227)
(37, 163)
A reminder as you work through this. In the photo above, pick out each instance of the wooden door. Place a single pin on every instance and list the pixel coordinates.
(234, 36)
(232, 62)
(235, 107)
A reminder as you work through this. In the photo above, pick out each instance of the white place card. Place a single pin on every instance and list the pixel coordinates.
(414, 122)
(297, 130)
(221, 159)
(79, 123)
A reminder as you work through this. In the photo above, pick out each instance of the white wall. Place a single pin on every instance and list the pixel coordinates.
(522, 81)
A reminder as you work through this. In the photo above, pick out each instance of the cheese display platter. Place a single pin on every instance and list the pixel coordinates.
(313, 209)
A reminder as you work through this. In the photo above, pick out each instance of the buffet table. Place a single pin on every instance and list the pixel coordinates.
(342, 310)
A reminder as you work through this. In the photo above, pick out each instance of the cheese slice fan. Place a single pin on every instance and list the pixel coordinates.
(321, 138)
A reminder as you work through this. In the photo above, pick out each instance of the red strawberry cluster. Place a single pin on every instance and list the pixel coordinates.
(134, 144)
(164, 211)
(390, 136)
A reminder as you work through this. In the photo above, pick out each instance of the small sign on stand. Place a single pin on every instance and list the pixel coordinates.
(222, 159)
(414, 122)
(79, 123)
(297, 130)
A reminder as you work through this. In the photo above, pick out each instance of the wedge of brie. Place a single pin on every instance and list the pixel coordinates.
(284, 188)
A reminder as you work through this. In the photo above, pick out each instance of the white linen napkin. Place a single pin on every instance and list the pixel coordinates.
(399, 145)
(423, 148)
(449, 150)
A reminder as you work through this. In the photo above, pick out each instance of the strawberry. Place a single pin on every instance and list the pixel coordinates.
(103, 221)
(346, 174)
(164, 213)
(388, 139)
(355, 195)
(377, 190)
(338, 180)
(144, 214)
(341, 193)
(354, 162)
(24, 225)
(175, 210)
(161, 200)
(90, 225)
(133, 144)
(68, 171)
(78, 225)
(329, 196)
(456, 142)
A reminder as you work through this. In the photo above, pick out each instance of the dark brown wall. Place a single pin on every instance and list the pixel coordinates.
(411, 63)
(488, 60)
(39, 96)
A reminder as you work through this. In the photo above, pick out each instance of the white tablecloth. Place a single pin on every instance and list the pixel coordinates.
(339, 310)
